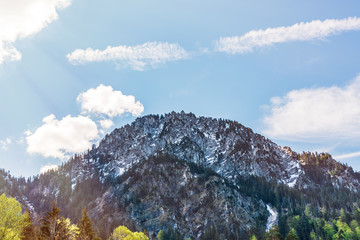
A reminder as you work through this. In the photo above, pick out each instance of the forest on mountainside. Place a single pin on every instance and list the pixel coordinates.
(308, 224)
(322, 213)
(178, 176)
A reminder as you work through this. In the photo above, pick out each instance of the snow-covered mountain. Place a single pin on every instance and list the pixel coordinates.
(225, 146)
(189, 173)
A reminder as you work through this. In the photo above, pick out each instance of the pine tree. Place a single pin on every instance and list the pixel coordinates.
(210, 233)
(63, 231)
(49, 224)
(304, 227)
(86, 230)
(29, 230)
(253, 237)
(160, 235)
(273, 234)
(329, 230)
(324, 213)
(292, 235)
(342, 215)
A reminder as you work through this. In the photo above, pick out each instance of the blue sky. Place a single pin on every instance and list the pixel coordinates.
(73, 70)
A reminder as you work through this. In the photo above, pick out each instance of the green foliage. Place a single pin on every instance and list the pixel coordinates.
(253, 237)
(49, 226)
(73, 229)
(12, 220)
(169, 234)
(342, 215)
(274, 234)
(304, 227)
(210, 233)
(329, 230)
(63, 231)
(123, 233)
(55, 227)
(344, 231)
(292, 235)
(324, 213)
(29, 230)
(160, 235)
(320, 211)
(313, 236)
(86, 230)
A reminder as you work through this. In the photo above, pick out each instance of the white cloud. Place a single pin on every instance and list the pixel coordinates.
(106, 100)
(315, 114)
(5, 143)
(137, 57)
(298, 32)
(27, 132)
(47, 168)
(348, 155)
(23, 18)
(57, 138)
(106, 123)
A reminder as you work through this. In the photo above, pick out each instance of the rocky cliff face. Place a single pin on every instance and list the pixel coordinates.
(188, 173)
(225, 146)
(163, 191)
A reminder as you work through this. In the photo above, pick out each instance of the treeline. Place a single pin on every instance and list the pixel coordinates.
(317, 225)
(317, 213)
(16, 225)
(322, 211)
(311, 224)
(325, 161)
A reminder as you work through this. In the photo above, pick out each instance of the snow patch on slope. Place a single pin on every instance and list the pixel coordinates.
(295, 171)
(293, 167)
(273, 218)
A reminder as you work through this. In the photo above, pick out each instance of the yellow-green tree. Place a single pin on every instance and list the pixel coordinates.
(253, 237)
(273, 234)
(12, 220)
(123, 233)
(356, 228)
(292, 235)
(66, 230)
(328, 230)
(72, 228)
(344, 231)
(160, 235)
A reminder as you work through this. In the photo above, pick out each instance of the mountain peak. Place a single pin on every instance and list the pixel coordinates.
(190, 173)
(225, 146)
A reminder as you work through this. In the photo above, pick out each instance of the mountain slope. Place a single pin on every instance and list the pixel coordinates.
(189, 173)
(226, 147)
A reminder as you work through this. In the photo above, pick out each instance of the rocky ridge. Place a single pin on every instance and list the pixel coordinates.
(187, 173)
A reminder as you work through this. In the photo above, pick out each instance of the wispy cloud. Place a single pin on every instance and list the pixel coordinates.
(106, 100)
(57, 138)
(5, 143)
(304, 31)
(23, 18)
(137, 57)
(314, 114)
(348, 155)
